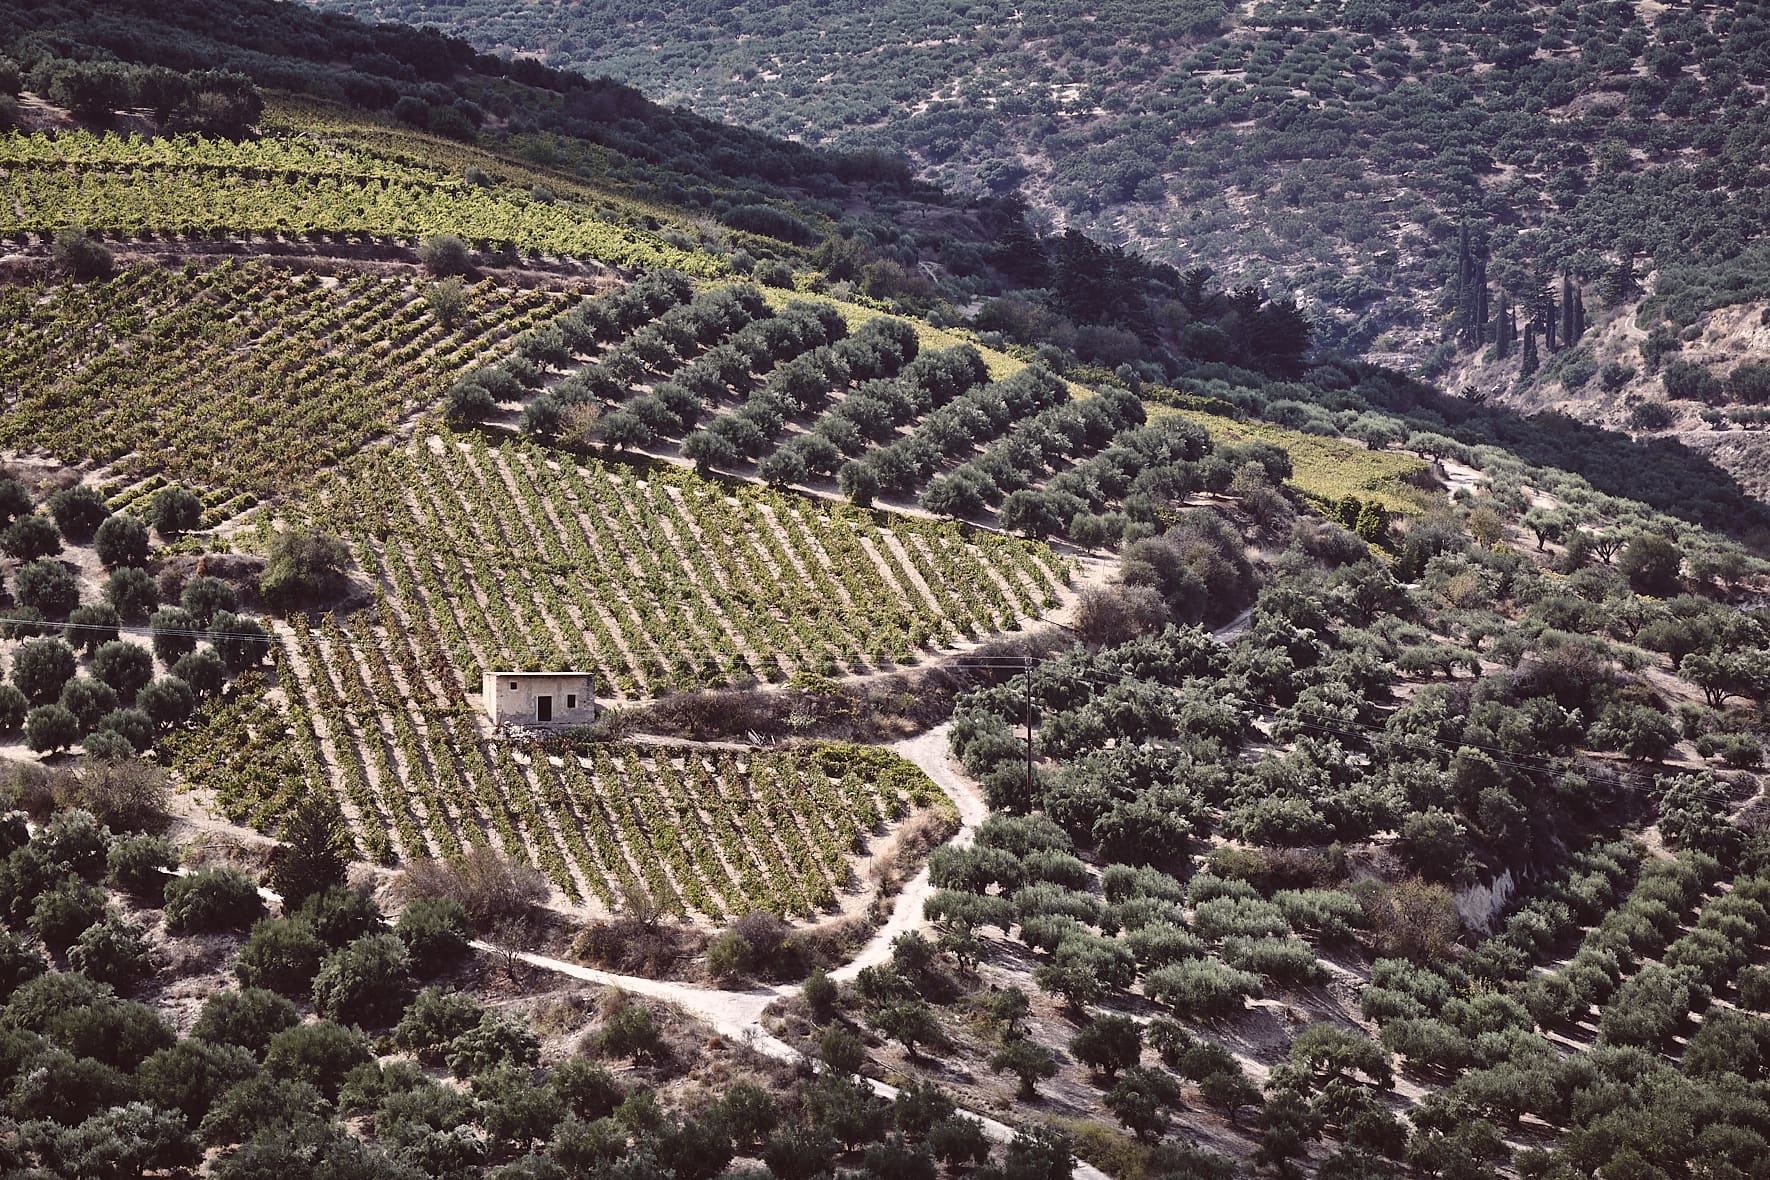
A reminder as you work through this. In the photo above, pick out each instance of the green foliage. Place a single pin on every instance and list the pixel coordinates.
(435, 932)
(212, 899)
(313, 853)
(281, 955)
(320, 1054)
(247, 1018)
(122, 540)
(1026, 1060)
(365, 983)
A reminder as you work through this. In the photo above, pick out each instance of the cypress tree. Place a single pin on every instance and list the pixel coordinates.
(1569, 321)
(1528, 365)
(1503, 327)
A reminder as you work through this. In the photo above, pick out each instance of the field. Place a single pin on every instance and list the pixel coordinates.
(515, 556)
(280, 187)
(511, 555)
(241, 379)
(714, 834)
(1326, 468)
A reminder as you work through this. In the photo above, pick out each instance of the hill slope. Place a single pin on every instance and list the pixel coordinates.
(1331, 148)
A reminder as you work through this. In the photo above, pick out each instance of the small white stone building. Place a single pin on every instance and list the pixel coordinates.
(540, 698)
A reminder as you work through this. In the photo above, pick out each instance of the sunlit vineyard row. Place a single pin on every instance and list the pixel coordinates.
(243, 378)
(516, 556)
(127, 185)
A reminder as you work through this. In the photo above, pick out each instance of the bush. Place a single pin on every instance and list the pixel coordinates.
(78, 511)
(47, 587)
(174, 633)
(205, 596)
(303, 566)
(312, 853)
(320, 1054)
(75, 840)
(138, 865)
(64, 913)
(90, 627)
(125, 666)
(281, 955)
(1202, 987)
(248, 1018)
(50, 729)
(240, 643)
(175, 511)
(190, 1076)
(168, 701)
(13, 708)
(366, 983)
(631, 1031)
(445, 254)
(132, 725)
(203, 671)
(1286, 959)
(112, 951)
(435, 931)
(1108, 1044)
(212, 899)
(435, 1017)
(339, 916)
(496, 1040)
(125, 797)
(81, 256)
(122, 540)
(489, 886)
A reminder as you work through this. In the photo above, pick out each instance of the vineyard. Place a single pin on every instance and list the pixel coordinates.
(497, 556)
(716, 834)
(275, 186)
(243, 378)
(509, 556)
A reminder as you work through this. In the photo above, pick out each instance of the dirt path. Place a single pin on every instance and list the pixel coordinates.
(930, 753)
(737, 1013)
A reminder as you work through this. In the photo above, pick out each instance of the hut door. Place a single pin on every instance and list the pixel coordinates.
(543, 709)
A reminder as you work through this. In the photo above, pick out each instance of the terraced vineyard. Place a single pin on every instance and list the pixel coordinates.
(276, 187)
(242, 378)
(712, 834)
(512, 556)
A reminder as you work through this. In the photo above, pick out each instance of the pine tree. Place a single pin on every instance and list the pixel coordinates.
(314, 852)
(1528, 365)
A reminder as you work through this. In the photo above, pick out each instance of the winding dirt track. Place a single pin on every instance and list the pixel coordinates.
(737, 1013)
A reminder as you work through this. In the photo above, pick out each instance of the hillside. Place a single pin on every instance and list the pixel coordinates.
(1329, 149)
(1096, 732)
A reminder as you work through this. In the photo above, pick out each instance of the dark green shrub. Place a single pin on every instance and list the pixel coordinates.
(190, 1076)
(282, 955)
(122, 540)
(248, 1018)
(175, 511)
(366, 983)
(436, 932)
(126, 667)
(78, 511)
(47, 587)
(212, 899)
(320, 1054)
(64, 913)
